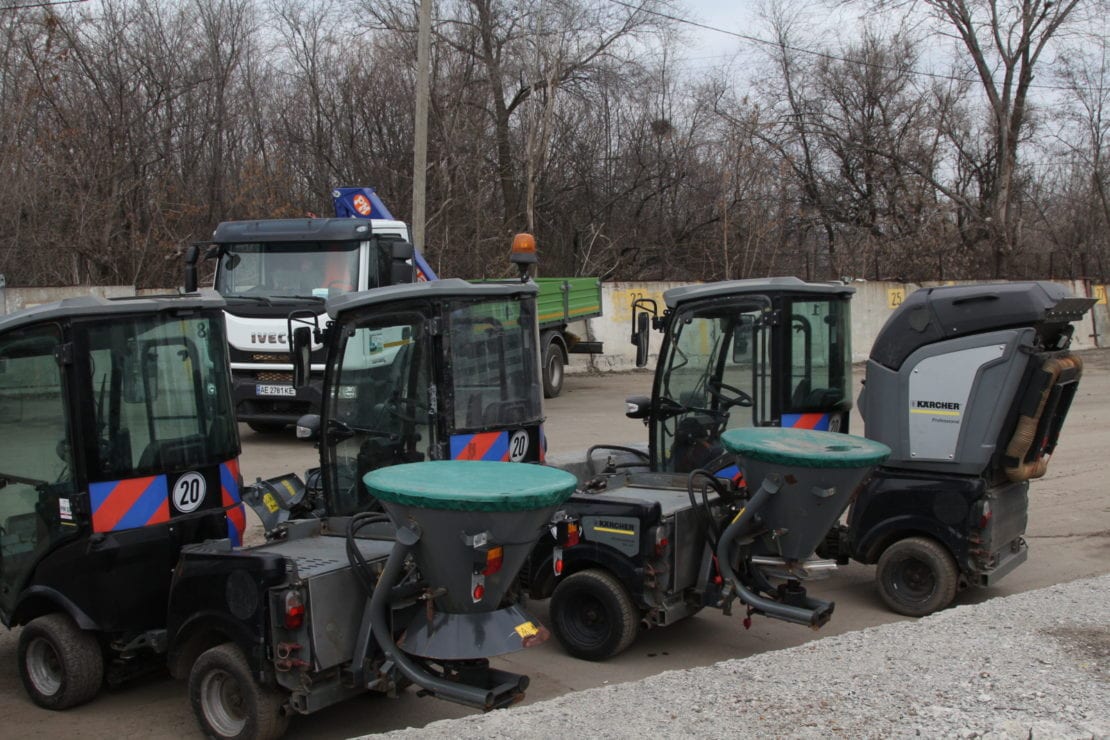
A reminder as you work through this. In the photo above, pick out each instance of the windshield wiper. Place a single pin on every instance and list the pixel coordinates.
(259, 299)
(301, 298)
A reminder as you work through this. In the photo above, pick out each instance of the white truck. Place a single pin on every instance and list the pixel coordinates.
(267, 269)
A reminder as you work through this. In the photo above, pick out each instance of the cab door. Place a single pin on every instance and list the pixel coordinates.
(36, 457)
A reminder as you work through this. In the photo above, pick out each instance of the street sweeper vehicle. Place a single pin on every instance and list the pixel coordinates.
(119, 449)
(396, 564)
(776, 353)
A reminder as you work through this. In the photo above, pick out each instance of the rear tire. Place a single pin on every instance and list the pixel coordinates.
(593, 616)
(61, 664)
(917, 576)
(267, 427)
(227, 700)
(553, 370)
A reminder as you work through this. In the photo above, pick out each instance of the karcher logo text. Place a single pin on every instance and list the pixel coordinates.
(938, 405)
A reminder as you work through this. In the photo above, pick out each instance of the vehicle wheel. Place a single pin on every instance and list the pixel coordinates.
(228, 702)
(266, 427)
(593, 616)
(61, 664)
(917, 576)
(553, 362)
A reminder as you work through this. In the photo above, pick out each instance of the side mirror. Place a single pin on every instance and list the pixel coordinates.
(192, 254)
(302, 355)
(641, 338)
(741, 342)
(401, 261)
(637, 407)
(308, 427)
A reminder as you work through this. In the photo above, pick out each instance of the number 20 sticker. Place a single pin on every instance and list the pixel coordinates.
(518, 445)
(188, 492)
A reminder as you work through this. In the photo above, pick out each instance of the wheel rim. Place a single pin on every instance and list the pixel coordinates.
(587, 623)
(913, 580)
(223, 703)
(44, 667)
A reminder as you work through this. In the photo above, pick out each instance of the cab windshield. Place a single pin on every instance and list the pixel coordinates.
(306, 270)
(493, 358)
(158, 397)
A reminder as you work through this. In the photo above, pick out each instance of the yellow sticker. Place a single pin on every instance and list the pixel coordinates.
(270, 502)
(289, 487)
(526, 630)
(1100, 294)
(895, 297)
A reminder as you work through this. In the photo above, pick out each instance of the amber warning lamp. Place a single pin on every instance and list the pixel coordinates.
(523, 253)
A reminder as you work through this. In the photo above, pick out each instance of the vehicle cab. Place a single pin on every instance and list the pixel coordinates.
(434, 371)
(120, 447)
(743, 353)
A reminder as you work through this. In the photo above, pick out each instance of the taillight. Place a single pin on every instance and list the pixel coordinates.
(294, 610)
(494, 557)
(985, 516)
(574, 535)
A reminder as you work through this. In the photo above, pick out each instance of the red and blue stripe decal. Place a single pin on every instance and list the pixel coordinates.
(125, 504)
(233, 505)
(816, 421)
(481, 446)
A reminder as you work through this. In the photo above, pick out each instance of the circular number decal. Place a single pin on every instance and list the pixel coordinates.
(518, 445)
(188, 492)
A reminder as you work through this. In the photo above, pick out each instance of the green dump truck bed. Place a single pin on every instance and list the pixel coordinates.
(562, 300)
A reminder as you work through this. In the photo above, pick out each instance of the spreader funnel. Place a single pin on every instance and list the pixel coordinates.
(477, 521)
(816, 473)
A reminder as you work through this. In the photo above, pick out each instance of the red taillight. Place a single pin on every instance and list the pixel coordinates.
(559, 567)
(294, 610)
(574, 536)
(985, 517)
(494, 557)
(479, 592)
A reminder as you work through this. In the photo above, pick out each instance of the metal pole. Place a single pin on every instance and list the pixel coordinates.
(420, 128)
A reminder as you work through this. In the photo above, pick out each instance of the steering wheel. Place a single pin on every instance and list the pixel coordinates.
(737, 398)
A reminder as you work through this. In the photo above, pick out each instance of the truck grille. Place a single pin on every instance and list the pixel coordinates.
(274, 376)
(270, 357)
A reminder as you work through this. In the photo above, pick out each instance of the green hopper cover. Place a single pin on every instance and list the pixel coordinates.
(804, 448)
(471, 485)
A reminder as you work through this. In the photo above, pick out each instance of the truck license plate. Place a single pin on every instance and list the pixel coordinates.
(275, 390)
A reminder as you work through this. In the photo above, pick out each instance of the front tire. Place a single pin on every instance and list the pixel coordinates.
(229, 703)
(61, 664)
(593, 616)
(916, 577)
(553, 370)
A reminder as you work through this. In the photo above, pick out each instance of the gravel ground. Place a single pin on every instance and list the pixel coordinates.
(1033, 665)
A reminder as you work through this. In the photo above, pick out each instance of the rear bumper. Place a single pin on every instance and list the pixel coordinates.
(1006, 561)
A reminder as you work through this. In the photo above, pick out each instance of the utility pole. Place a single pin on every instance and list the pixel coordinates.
(420, 128)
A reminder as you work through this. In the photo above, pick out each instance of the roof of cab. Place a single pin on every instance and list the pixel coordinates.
(436, 289)
(675, 296)
(93, 306)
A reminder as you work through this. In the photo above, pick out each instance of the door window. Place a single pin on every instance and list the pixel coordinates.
(36, 474)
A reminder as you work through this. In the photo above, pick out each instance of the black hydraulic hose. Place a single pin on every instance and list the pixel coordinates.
(772, 608)
(379, 626)
(354, 555)
(712, 530)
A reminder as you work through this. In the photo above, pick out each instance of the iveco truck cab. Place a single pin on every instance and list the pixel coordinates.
(265, 269)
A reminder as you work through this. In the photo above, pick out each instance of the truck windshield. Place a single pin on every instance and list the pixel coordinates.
(288, 270)
(494, 364)
(158, 395)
